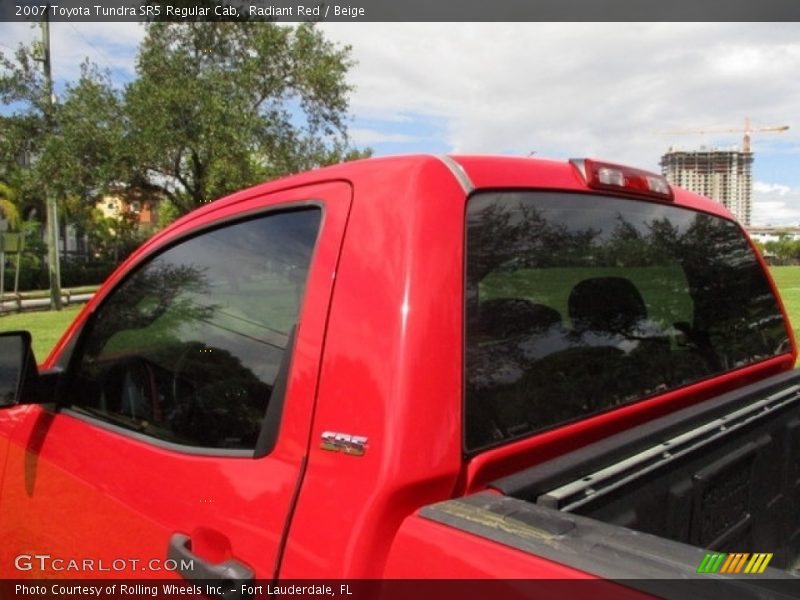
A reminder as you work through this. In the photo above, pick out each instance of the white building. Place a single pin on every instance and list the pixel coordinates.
(722, 174)
(773, 234)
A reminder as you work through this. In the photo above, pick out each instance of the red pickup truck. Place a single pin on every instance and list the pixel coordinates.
(415, 367)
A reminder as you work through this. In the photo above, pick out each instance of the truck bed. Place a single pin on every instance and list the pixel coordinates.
(723, 475)
(649, 504)
(646, 563)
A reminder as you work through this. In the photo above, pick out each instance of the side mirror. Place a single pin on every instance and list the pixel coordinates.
(18, 371)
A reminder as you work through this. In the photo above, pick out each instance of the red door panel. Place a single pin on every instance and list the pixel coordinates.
(78, 490)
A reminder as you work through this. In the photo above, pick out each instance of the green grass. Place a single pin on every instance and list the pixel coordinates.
(46, 327)
(552, 287)
(788, 280)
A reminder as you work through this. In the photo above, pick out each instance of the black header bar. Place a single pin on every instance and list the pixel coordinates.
(401, 10)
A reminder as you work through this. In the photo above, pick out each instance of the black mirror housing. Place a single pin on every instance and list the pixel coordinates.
(18, 370)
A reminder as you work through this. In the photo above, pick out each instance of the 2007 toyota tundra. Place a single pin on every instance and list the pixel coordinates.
(457, 367)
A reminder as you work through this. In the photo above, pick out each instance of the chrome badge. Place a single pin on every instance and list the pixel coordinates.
(355, 445)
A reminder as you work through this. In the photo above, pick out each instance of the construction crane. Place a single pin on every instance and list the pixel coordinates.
(747, 130)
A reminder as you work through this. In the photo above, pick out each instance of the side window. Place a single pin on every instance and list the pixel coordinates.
(188, 347)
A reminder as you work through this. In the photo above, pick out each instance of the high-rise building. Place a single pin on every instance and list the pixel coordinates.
(722, 174)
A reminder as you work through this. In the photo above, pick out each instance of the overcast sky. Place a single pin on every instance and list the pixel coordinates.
(560, 90)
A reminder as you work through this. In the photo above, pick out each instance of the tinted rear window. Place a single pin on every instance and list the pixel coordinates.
(577, 304)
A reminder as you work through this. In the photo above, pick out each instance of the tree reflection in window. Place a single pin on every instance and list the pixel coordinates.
(577, 304)
(187, 348)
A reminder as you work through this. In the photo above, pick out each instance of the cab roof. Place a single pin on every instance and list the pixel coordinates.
(474, 173)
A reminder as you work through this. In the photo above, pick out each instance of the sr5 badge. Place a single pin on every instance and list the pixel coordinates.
(355, 445)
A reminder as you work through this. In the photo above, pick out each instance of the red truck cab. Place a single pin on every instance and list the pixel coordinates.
(277, 384)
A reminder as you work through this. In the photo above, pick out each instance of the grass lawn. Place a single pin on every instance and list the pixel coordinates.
(788, 280)
(45, 327)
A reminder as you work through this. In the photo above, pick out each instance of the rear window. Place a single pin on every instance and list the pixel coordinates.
(576, 304)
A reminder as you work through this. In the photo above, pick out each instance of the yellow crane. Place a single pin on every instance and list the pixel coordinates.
(747, 130)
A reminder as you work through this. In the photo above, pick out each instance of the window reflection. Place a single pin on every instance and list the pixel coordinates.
(187, 349)
(577, 304)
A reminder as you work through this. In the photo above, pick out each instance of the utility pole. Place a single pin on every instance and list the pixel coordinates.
(52, 209)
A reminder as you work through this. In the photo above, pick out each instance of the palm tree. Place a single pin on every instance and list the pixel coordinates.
(8, 206)
(10, 212)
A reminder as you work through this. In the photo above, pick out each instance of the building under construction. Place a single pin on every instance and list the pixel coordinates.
(721, 174)
(724, 175)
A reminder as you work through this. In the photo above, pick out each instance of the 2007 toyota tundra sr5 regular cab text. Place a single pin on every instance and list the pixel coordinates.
(497, 364)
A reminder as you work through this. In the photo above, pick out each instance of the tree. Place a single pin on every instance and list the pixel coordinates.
(220, 106)
(83, 154)
(22, 87)
(8, 207)
(785, 249)
(215, 107)
(70, 147)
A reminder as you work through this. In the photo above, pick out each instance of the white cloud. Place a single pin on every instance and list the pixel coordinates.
(759, 187)
(112, 46)
(775, 204)
(567, 89)
(365, 137)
